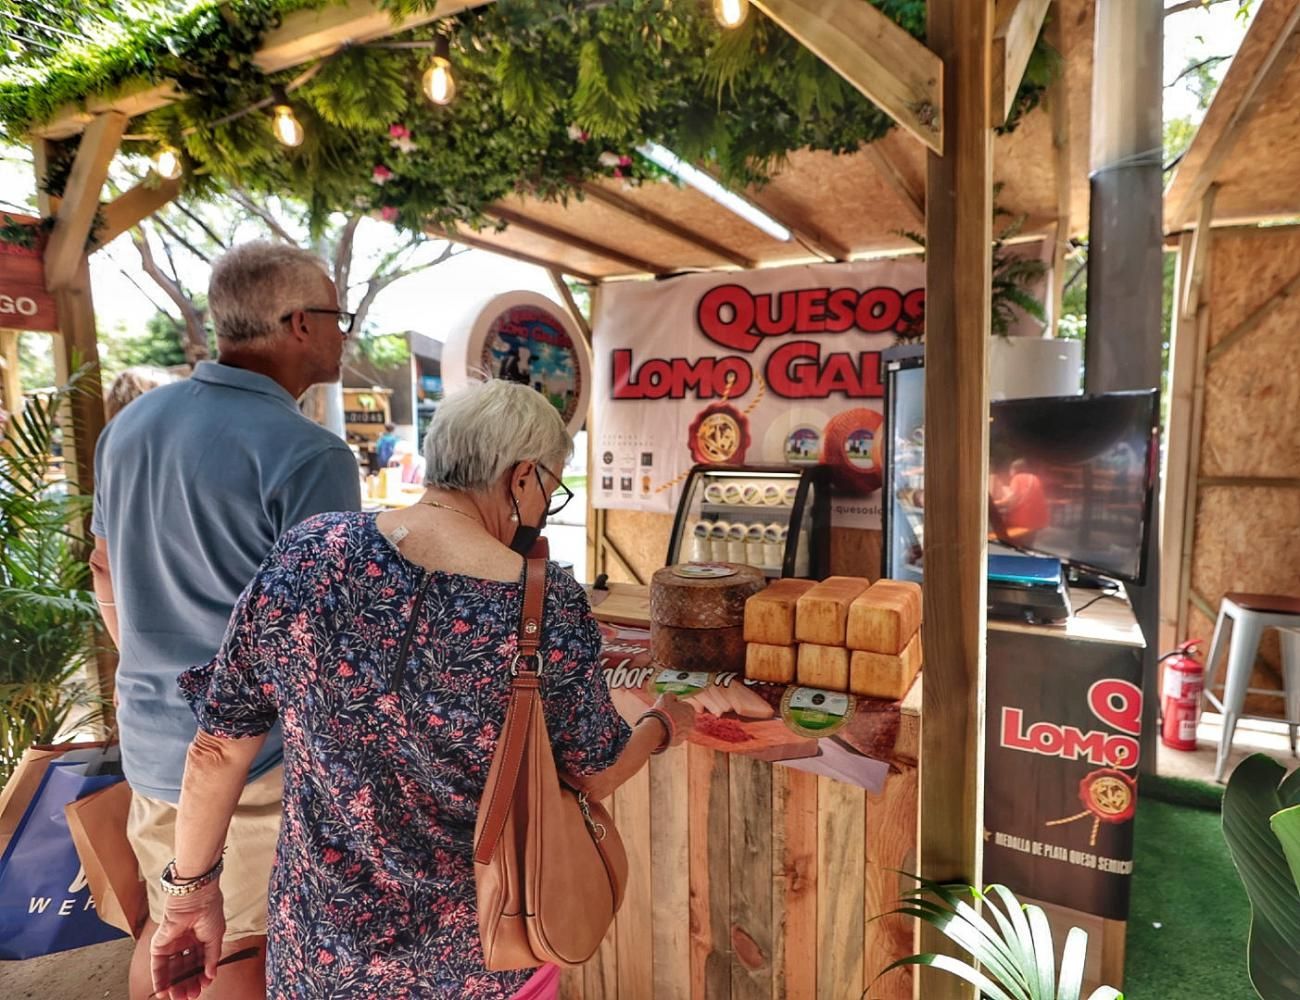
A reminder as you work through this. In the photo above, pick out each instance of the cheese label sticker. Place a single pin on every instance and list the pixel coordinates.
(682, 683)
(812, 712)
(704, 571)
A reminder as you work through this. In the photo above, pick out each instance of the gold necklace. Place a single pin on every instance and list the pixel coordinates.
(454, 510)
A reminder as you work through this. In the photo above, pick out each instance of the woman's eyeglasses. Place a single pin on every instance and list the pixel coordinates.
(346, 319)
(560, 499)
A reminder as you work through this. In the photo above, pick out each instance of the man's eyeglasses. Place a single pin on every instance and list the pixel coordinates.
(562, 494)
(346, 319)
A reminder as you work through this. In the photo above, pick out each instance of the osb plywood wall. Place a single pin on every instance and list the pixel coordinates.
(643, 541)
(1247, 529)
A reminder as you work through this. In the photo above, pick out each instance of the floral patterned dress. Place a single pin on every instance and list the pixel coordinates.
(372, 895)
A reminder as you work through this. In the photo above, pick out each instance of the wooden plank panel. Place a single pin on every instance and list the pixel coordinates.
(1173, 477)
(751, 879)
(841, 881)
(795, 883)
(130, 208)
(600, 974)
(669, 845)
(959, 207)
(710, 896)
(635, 949)
(573, 984)
(884, 62)
(1016, 33)
(891, 848)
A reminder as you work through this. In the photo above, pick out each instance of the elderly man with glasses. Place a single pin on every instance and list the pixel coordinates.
(194, 483)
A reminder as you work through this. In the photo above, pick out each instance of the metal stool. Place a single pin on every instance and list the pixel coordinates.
(1250, 615)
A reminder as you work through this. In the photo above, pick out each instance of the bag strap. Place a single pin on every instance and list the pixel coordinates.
(524, 686)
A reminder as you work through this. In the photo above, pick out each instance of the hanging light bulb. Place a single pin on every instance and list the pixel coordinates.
(167, 163)
(287, 128)
(439, 83)
(731, 13)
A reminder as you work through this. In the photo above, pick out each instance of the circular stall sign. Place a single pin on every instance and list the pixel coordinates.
(524, 337)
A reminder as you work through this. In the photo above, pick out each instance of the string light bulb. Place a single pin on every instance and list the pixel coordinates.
(439, 83)
(286, 126)
(731, 13)
(167, 163)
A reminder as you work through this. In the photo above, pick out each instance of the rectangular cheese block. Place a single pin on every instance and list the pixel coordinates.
(822, 614)
(769, 614)
(885, 617)
(775, 664)
(882, 675)
(825, 667)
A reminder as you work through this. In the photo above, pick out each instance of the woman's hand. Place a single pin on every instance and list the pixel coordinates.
(187, 946)
(682, 714)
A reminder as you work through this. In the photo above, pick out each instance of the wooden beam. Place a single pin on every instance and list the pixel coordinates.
(566, 295)
(1252, 482)
(67, 245)
(661, 222)
(1271, 68)
(959, 210)
(304, 35)
(889, 66)
(1190, 299)
(129, 209)
(1196, 427)
(911, 195)
(1251, 322)
(1178, 436)
(471, 240)
(1014, 36)
(528, 225)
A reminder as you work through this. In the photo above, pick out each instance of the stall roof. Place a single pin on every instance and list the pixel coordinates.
(838, 206)
(1248, 146)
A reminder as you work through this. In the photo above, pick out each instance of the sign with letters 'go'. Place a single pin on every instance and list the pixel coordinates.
(777, 366)
(24, 302)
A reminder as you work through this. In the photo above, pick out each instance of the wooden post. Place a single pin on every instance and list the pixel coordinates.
(959, 213)
(13, 383)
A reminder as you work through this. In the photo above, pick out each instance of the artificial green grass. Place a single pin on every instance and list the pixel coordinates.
(1183, 880)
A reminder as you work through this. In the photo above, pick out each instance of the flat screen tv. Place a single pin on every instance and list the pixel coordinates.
(1072, 477)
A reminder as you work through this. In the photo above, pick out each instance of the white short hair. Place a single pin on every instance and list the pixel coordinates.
(254, 284)
(480, 432)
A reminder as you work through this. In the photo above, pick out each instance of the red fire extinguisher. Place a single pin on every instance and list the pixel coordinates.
(1180, 698)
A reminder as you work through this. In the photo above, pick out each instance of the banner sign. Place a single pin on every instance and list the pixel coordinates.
(829, 733)
(776, 366)
(24, 302)
(1062, 742)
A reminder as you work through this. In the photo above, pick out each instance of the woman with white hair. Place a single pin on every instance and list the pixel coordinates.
(382, 644)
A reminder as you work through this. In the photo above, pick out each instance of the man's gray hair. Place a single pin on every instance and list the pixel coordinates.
(254, 284)
(480, 432)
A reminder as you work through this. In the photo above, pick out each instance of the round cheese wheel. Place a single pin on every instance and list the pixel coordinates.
(709, 649)
(849, 447)
(703, 602)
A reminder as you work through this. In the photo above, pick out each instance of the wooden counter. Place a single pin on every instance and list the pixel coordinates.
(755, 880)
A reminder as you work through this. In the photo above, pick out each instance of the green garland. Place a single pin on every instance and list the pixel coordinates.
(550, 94)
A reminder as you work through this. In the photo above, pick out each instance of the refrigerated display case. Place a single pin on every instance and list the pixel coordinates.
(773, 517)
(903, 520)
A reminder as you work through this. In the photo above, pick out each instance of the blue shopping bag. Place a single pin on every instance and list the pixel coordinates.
(45, 903)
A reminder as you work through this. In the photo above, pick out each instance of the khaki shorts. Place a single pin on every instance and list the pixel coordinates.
(250, 851)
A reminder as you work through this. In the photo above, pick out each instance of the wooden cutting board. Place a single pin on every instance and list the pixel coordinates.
(622, 604)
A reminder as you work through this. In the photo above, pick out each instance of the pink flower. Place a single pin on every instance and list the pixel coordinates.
(398, 131)
(324, 957)
(578, 134)
(625, 161)
(333, 856)
(381, 174)
(618, 173)
(388, 213)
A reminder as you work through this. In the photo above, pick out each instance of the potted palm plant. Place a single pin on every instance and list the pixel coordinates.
(1011, 946)
(48, 618)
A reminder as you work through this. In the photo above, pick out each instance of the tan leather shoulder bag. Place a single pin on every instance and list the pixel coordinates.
(549, 866)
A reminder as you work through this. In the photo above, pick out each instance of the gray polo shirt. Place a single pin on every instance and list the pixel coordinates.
(194, 482)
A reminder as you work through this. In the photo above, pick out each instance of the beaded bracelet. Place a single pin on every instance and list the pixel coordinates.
(670, 728)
